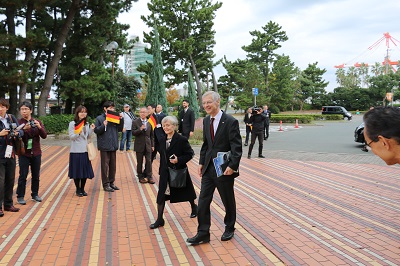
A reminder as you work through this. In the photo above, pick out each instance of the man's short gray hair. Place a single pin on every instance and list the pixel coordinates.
(215, 96)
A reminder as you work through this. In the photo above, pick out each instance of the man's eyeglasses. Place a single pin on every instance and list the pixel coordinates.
(207, 103)
(368, 145)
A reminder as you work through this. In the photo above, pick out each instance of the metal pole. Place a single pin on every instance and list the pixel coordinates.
(112, 59)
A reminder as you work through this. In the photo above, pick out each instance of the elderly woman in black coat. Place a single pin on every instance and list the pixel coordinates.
(175, 151)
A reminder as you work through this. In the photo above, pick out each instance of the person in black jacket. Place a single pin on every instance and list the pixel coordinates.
(257, 121)
(246, 120)
(186, 120)
(8, 137)
(175, 151)
(107, 144)
(266, 123)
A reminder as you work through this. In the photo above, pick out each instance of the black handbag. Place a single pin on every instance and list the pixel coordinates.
(177, 177)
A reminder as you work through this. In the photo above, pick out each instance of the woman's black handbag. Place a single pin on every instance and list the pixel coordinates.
(177, 177)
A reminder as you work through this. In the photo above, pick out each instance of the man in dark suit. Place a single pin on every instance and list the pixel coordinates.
(143, 145)
(246, 120)
(186, 120)
(158, 130)
(266, 122)
(220, 134)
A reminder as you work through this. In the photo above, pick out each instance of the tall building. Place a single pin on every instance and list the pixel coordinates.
(136, 57)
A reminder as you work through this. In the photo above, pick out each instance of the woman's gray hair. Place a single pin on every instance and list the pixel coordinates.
(172, 119)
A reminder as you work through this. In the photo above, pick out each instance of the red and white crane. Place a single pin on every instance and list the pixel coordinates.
(386, 62)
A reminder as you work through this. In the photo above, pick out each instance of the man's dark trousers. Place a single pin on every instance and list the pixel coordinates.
(108, 167)
(24, 162)
(7, 178)
(147, 169)
(209, 182)
(260, 136)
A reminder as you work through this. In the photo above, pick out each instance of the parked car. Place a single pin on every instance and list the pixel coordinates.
(336, 110)
(359, 134)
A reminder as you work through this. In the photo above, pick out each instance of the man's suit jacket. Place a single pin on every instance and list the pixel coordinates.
(144, 139)
(159, 131)
(186, 121)
(227, 138)
(246, 119)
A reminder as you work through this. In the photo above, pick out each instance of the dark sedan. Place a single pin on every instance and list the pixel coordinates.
(359, 133)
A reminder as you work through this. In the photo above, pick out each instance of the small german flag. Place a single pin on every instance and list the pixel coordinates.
(152, 121)
(78, 126)
(112, 117)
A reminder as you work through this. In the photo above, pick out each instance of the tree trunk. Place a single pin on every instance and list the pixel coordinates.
(12, 57)
(214, 81)
(52, 66)
(198, 84)
(28, 52)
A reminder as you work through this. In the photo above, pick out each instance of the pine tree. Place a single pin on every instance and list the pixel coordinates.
(192, 95)
(156, 92)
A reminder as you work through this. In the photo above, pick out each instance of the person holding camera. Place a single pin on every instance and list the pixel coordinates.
(257, 122)
(8, 135)
(33, 131)
(175, 151)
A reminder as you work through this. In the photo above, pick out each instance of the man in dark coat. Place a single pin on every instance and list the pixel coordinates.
(257, 122)
(221, 133)
(186, 120)
(246, 120)
(143, 145)
(266, 122)
(107, 144)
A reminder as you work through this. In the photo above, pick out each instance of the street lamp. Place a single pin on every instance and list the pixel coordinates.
(111, 47)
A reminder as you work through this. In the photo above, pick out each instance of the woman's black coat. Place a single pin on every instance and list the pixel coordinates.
(181, 148)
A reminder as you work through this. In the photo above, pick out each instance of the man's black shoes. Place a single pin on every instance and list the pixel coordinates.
(114, 187)
(261, 156)
(108, 189)
(199, 239)
(227, 235)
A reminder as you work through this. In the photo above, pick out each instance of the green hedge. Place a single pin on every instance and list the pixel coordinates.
(56, 124)
(303, 119)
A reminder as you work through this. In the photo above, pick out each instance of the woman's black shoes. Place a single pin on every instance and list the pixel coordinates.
(194, 212)
(158, 223)
(79, 192)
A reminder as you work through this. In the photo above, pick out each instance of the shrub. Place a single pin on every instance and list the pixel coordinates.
(197, 138)
(56, 124)
(304, 119)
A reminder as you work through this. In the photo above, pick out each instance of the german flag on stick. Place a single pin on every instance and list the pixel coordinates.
(78, 126)
(152, 121)
(112, 117)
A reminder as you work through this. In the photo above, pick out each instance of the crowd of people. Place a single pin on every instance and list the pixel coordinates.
(154, 133)
(169, 137)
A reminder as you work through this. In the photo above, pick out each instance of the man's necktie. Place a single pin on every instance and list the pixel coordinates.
(212, 128)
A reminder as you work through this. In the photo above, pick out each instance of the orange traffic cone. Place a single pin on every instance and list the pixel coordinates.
(280, 127)
(297, 124)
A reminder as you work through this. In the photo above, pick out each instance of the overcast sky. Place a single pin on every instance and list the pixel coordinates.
(330, 32)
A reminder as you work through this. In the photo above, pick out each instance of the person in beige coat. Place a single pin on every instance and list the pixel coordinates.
(143, 145)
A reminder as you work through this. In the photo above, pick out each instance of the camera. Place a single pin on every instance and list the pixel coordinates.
(12, 128)
(255, 110)
(32, 124)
